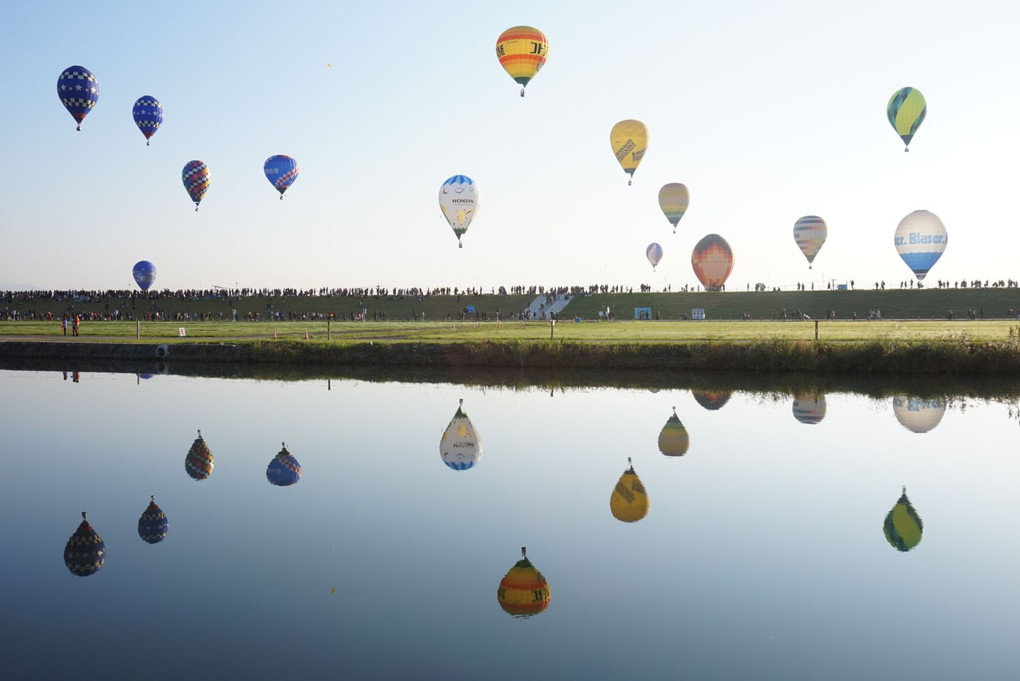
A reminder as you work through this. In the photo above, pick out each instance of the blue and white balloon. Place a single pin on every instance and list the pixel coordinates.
(148, 115)
(920, 240)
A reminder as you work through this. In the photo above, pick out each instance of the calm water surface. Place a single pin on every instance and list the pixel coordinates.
(763, 553)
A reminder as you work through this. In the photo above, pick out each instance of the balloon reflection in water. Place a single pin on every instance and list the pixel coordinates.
(523, 591)
(153, 525)
(85, 551)
(673, 439)
(284, 470)
(809, 409)
(629, 501)
(918, 415)
(460, 446)
(199, 462)
(903, 527)
(712, 399)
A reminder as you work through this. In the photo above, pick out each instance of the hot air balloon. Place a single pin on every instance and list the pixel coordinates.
(809, 232)
(809, 409)
(654, 254)
(85, 551)
(199, 462)
(629, 139)
(629, 502)
(153, 525)
(712, 260)
(460, 446)
(522, 51)
(917, 415)
(284, 470)
(673, 200)
(920, 240)
(196, 179)
(906, 111)
(458, 198)
(712, 399)
(673, 439)
(281, 171)
(144, 273)
(148, 115)
(78, 90)
(523, 591)
(903, 527)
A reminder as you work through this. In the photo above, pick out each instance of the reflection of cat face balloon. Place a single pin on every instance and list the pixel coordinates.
(460, 446)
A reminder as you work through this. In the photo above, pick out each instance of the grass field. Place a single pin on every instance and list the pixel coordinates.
(593, 332)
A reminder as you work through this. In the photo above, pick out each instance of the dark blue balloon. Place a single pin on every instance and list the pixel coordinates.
(144, 273)
(148, 115)
(153, 526)
(281, 171)
(78, 90)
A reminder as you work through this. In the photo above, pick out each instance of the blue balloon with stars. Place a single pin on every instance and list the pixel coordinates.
(78, 89)
(144, 273)
(148, 115)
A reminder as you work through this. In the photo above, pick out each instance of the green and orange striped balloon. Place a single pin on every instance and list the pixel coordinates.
(522, 51)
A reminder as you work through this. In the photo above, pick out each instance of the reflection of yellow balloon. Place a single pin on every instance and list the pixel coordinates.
(523, 591)
(673, 439)
(629, 139)
(903, 527)
(629, 501)
(673, 200)
(522, 51)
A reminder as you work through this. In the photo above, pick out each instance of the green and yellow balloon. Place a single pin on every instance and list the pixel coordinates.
(906, 111)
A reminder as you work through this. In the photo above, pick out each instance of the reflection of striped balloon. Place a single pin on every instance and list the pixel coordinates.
(906, 111)
(85, 551)
(807, 409)
(673, 200)
(153, 526)
(673, 438)
(903, 527)
(712, 399)
(523, 591)
(522, 51)
(809, 232)
(712, 260)
(199, 462)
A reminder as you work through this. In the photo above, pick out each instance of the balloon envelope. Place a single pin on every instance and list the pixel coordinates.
(903, 527)
(522, 51)
(629, 501)
(809, 409)
(460, 447)
(144, 273)
(458, 199)
(654, 254)
(196, 179)
(523, 591)
(673, 200)
(284, 470)
(712, 399)
(673, 438)
(809, 232)
(148, 115)
(906, 111)
(712, 260)
(199, 462)
(920, 240)
(281, 171)
(629, 140)
(918, 415)
(153, 526)
(85, 551)
(78, 90)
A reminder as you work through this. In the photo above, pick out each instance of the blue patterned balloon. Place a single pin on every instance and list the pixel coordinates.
(281, 171)
(284, 469)
(85, 551)
(148, 115)
(153, 525)
(144, 273)
(78, 90)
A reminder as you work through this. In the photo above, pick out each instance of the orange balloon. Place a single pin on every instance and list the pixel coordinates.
(712, 260)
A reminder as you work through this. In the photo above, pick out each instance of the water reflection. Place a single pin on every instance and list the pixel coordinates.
(284, 470)
(460, 447)
(199, 462)
(85, 551)
(673, 438)
(712, 399)
(153, 526)
(629, 501)
(903, 527)
(523, 591)
(919, 415)
(809, 409)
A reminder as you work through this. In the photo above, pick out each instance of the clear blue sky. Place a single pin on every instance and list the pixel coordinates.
(767, 112)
